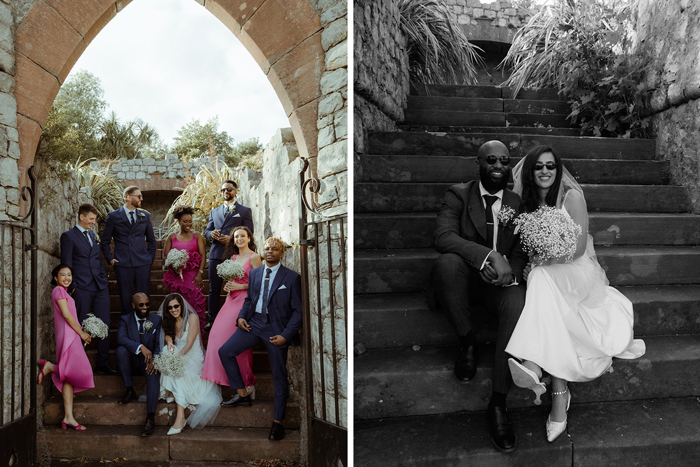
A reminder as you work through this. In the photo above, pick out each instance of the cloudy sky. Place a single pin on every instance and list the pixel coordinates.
(169, 61)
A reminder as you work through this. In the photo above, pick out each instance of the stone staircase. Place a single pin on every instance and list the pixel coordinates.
(410, 410)
(113, 431)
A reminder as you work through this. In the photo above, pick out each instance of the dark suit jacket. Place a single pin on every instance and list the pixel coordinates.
(129, 239)
(88, 269)
(128, 334)
(461, 228)
(284, 302)
(218, 220)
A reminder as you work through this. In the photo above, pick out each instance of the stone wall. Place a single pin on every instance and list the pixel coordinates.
(495, 21)
(668, 33)
(9, 137)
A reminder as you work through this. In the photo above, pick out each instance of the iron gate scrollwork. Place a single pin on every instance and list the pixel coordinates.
(324, 293)
(18, 322)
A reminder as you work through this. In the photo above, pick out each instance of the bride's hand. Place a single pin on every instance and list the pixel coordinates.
(526, 271)
(171, 346)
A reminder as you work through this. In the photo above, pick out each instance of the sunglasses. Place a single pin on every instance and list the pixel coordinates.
(173, 307)
(144, 305)
(549, 165)
(229, 189)
(490, 160)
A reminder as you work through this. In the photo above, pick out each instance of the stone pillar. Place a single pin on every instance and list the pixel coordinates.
(9, 138)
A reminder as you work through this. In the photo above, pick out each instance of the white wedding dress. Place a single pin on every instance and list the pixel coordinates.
(191, 391)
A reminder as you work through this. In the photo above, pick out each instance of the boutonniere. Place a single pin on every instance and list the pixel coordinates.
(140, 215)
(505, 215)
(147, 326)
(232, 208)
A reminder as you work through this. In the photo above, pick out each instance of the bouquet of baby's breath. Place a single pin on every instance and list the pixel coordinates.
(176, 260)
(95, 327)
(229, 270)
(170, 363)
(548, 233)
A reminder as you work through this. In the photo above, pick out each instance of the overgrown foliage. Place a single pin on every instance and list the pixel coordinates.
(583, 48)
(104, 189)
(243, 152)
(438, 50)
(195, 140)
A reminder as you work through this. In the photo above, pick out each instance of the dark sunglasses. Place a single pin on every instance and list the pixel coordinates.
(490, 160)
(229, 189)
(174, 307)
(144, 305)
(549, 165)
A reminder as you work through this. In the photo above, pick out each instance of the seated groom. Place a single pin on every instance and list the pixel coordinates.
(138, 342)
(481, 261)
(271, 314)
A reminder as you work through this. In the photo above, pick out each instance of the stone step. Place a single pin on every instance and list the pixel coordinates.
(644, 433)
(261, 361)
(406, 271)
(213, 444)
(456, 169)
(458, 118)
(402, 382)
(486, 105)
(156, 272)
(467, 144)
(157, 287)
(104, 411)
(404, 320)
(415, 230)
(525, 130)
(454, 90)
(424, 197)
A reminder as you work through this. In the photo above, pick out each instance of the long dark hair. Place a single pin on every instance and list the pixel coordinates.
(232, 248)
(168, 324)
(531, 196)
(56, 270)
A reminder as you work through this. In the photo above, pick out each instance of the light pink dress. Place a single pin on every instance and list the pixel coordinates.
(222, 330)
(186, 286)
(72, 364)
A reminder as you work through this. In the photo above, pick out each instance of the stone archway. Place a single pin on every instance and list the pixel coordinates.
(284, 37)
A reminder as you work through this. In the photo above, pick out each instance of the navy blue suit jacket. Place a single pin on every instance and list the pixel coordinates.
(218, 220)
(129, 239)
(284, 302)
(88, 269)
(128, 334)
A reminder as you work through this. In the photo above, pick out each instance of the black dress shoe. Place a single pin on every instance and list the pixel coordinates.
(106, 369)
(465, 366)
(237, 400)
(149, 428)
(128, 397)
(502, 433)
(276, 432)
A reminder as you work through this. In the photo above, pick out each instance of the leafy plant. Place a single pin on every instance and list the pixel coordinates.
(195, 140)
(438, 50)
(104, 189)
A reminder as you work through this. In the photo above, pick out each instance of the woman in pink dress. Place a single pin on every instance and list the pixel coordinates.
(72, 371)
(243, 250)
(190, 284)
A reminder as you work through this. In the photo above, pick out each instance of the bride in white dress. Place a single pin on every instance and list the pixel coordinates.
(180, 333)
(573, 322)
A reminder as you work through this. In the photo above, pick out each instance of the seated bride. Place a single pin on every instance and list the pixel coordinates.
(180, 333)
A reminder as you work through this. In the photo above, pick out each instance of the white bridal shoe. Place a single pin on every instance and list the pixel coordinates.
(251, 391)
(175, 431)
(554, 429)
(525, 378)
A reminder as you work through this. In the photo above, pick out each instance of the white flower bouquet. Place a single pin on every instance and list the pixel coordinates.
(229, 270)
(170, 363)
(548, 233)
(95, 327)
(176, 260)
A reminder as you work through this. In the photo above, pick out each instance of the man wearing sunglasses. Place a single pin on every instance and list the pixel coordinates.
(137, 343)
(481, 263)
(222, 221)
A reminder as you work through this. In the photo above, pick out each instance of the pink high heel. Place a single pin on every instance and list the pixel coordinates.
(43, 363)
(77, 427)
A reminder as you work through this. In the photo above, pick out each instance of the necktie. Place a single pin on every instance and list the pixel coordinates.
(266, 290)
(141, 326)
(87, 237)
(132, 216)
(489, 219)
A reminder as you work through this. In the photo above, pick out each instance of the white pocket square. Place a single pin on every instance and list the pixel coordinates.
(236, 215)
(282, 287)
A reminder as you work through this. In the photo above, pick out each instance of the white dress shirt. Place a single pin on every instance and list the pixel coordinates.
(258, 306)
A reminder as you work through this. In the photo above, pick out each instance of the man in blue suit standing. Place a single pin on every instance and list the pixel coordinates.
(222, 221)
(80, 249)
(271, 314)
(131, 229)
(138, 340)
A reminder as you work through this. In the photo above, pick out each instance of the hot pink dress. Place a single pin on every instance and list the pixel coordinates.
(222, 330)
(72, 364)
(186, 286)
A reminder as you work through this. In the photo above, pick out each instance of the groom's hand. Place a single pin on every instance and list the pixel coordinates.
(500, 265)
(243, 324)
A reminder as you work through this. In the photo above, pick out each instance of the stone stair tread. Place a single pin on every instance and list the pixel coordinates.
(621, 433)
(459, 90)
(526, 130)
(261, 361)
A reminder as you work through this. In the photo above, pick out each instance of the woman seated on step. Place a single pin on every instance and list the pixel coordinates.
(72, 371)
(180, 333)
(573, 323)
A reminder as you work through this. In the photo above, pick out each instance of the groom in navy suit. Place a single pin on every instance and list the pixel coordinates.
(222, 221)
(138, 342)
(80, 249)
(271, 314)
(134, 246)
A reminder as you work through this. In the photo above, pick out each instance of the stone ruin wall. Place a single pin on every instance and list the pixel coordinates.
(495, 21)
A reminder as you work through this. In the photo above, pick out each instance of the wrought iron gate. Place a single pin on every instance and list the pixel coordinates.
(324, 288)
(18, 322)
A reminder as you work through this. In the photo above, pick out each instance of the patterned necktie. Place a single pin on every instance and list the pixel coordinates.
(489, 219)
(87, 237)
(266, 290)
(141, 326)
(132, 217)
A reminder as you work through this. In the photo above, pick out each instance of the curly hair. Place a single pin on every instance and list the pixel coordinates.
(531, 197)
(232, 248)
(180, 211)
(168, 324)
(276, 242)
(56, 270)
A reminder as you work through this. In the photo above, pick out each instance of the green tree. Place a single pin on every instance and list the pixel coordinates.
(243, 151)
(128, 140)
(196, 140)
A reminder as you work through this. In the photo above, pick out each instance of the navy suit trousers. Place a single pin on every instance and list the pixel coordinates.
(130, 364)
(242, 341)
(215, 283)
(97, 303)
(131, 281)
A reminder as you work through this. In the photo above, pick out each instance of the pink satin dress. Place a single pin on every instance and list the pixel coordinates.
(186, 286)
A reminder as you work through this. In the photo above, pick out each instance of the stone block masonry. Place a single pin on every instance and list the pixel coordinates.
(489, 21)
